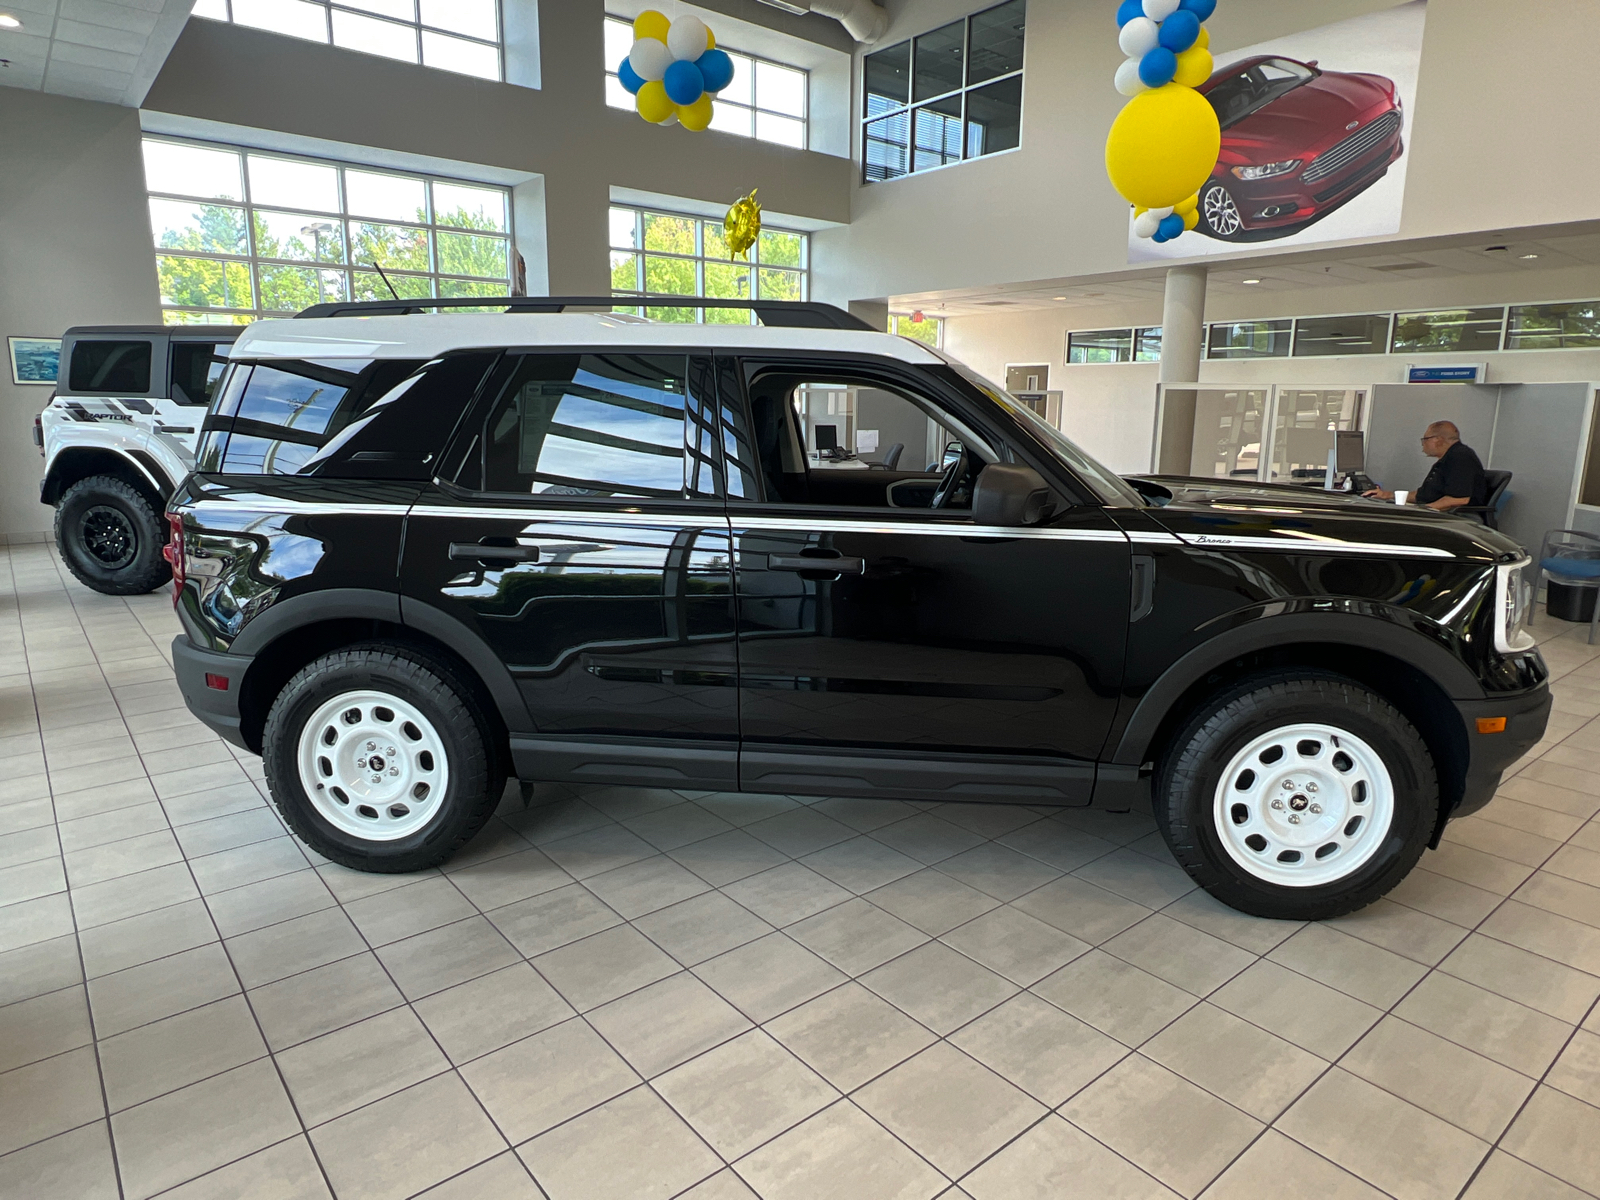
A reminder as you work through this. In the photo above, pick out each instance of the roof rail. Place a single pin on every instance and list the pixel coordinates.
(793, 314)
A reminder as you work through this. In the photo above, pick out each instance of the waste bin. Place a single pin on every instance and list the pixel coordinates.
(1568, 603)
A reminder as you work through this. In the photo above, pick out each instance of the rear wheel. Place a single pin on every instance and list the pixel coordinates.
(1297, 796)
(381, 759)
(110, 536)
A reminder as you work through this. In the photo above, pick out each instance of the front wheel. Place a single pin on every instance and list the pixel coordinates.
(380, 759)
(1297, 796)
(1219, 213)
(110, 536)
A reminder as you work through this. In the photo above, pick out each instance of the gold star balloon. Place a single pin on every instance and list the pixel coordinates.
(743, 225)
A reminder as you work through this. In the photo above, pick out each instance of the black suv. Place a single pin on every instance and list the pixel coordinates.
(422, 553)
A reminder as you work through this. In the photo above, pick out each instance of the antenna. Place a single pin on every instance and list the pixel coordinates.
(385, 279)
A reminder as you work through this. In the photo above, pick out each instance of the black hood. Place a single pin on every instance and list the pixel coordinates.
(1299, 517)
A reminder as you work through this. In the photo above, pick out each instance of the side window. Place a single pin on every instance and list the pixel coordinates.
(585, 425)
(196, 367)
(110, 366)
(288, 411)
(853, 441)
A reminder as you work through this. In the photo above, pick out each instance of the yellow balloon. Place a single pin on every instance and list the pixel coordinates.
(651, 24)
(1194, 67)
(653, 102)
(696, 116)
(1204, 41)
(1139, 210)
(1163, 146)
(742, 225)
(711, 39)
(1190, 205)
(1191, 218)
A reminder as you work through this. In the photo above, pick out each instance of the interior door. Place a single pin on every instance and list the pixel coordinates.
(890, 648)
(584, 542)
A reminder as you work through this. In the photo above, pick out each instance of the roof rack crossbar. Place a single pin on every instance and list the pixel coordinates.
(794, 314)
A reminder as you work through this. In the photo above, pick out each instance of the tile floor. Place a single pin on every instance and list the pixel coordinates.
(630, 993)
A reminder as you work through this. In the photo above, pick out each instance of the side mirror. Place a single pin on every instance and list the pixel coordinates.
(1011, 494)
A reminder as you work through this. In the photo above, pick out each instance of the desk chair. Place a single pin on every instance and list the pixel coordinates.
(1571, 558)
(1489, 511)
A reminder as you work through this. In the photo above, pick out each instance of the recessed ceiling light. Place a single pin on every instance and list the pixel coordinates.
(1252, 281)
(1058, 297)
(7, 21)
(1526, 257)
(1495, 249)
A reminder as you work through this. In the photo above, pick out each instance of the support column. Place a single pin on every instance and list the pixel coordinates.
(1183, 329)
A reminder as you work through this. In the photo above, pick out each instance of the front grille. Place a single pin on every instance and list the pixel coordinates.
(1371, 175)
(1352, 148)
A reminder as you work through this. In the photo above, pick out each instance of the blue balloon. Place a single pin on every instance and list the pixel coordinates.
(1157, 68)
(1200, 8)
(716, 68)
(1171, 225)
(1180, 31)
(683, 82)
(629, 78)
(1128, 11)
(1158, 237)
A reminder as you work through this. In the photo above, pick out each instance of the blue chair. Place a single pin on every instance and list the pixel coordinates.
(1571, 558)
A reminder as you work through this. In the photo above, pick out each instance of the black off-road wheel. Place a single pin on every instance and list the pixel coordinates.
(382, 758)
(1297, 795)
(110, 536)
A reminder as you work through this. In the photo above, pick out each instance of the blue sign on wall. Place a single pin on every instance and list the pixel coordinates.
(1470, 373)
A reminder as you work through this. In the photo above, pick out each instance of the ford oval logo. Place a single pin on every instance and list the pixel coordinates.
(1352, 124)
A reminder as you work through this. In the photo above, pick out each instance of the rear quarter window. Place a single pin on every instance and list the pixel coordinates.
(121, 366)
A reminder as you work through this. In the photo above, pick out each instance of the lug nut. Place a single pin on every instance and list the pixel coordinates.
(1288, 785)
(390, 751)
(372, 745)
(1278, 804)
(396, 771)
(1316, 808)
(377, 779)
(1294, 818)
(1311, 787)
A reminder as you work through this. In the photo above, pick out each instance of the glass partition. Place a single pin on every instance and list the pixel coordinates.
(1229, 427)
(1303, 426)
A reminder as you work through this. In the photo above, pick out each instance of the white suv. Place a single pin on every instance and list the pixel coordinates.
(117, 437)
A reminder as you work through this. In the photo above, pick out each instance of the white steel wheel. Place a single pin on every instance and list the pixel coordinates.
(372, 765)
(1304, 805)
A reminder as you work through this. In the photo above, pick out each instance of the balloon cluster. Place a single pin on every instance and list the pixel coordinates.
(1164, 144)
(674, 70)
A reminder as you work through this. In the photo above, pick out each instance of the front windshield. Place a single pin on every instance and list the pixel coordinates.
(1107, 485)
(1238, 95)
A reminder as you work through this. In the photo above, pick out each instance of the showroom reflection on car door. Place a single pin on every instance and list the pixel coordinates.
(887, 647)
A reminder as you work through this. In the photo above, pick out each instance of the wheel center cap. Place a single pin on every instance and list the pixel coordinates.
(377, 763)
(1298, 802)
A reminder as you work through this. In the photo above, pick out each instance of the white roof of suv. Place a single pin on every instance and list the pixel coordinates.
(426, 335)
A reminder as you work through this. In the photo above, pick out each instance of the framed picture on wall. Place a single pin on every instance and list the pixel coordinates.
(34, 359)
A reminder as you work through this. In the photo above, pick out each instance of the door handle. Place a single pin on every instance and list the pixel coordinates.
(835, 565)
(484, 553)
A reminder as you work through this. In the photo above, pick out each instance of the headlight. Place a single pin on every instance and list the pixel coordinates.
(1513, 599)
(1268, 171)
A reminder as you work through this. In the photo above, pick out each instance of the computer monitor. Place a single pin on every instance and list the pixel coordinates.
(1350, 452)
(827, 438)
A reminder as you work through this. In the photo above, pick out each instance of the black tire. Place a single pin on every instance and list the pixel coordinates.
(438, 692)
(1189, 774)
(111, 536)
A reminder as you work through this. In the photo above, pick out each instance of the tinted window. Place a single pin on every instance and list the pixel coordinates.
(1100, 346)
(196, 367)
(122, 367)
(287, 412)
(938, 66)
(1341, 335)
(585, 425)
(995, 46)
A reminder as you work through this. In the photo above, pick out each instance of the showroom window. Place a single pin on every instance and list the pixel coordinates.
(241, 235)
(1458, 330)
(1554, 326)
(1100, 346)
(675, 255)
(951, 94)
(929, 330)
(451, 35)
(1320, 337)
(766, 100)
(1250, 339)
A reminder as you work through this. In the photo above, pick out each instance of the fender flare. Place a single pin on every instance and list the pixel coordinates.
(1452, 676)
(150, 472)
(475, 652)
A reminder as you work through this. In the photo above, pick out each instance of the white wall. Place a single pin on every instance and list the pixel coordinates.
(75, 249)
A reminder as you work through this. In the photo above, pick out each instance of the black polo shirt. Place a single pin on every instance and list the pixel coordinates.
(1457, 472)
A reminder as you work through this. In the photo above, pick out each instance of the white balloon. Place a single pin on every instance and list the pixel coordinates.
(687, 38)
(1160, 10)
(1161, 214)
(1139, 36)
(1128, 81)
(1146, 224)
(672, 119)
(650, 59)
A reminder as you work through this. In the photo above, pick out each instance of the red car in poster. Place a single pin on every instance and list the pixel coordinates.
(1297, 143)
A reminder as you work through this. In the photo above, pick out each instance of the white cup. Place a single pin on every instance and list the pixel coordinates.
(1401, 497)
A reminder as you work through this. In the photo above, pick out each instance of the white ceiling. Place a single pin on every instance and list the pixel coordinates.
(105, 50)
(1438, 259)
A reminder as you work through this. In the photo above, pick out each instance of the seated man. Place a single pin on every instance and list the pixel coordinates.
(1456, 479)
